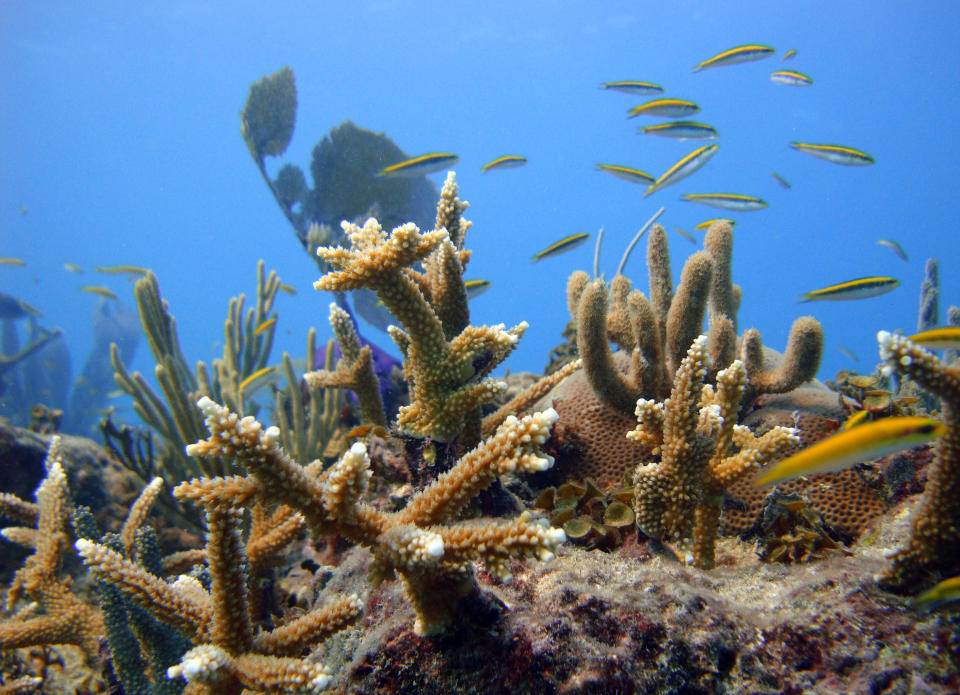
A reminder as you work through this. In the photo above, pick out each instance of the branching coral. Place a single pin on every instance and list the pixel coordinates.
(656, 332)
(702, 452)
(446, 373)
(420, 543)
(934, 545)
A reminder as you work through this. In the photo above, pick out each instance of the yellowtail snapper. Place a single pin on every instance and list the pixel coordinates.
(861, 288)
(784, 184)
(509, 161)
(626, 173)
(895, 247)
(842, 450)
(740, 54)
(791, 77)
(727, 201)
(565, 244)
(419, 166)
(633, 87)
(12, 261)
(476, 287)
(681, 130)
(690, 164)
(671, 108)
(102, 291)
(704, 225)
(838, 154)
(789, 54)
(947, 338)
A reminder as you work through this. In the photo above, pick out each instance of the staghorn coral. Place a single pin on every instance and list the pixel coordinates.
(420, 543)
(656, 332)
(694, 432)
(934, 545)
(446, 372)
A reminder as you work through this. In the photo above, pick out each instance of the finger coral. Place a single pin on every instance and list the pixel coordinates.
(701, 450)
(421, 543)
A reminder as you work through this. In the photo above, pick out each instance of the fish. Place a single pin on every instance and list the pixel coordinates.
(476, 287)
(13, 261)
(858, 418)
(860, 288)
(842, 450)
(265, 326)
(509, 161)
(789, 54)
(686, 235)
(633, 87)
(848, 352)
(419, 166)
(254, 376)
(690, 164)
(627, 173)
(895, 247)
(23, 209)
(947, 338)
(13, 308)
(671, 108)
(565, 244)
(705, 225)
(791, 77)
(72, 267)
(289, 289)
(120, 270)
(784, 184)
(681, 130)
(97, 289)
(726, 201)
(945, 592)
(838, 154)
(740, 54)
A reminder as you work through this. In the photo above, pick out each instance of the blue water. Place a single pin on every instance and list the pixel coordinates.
(121, 139)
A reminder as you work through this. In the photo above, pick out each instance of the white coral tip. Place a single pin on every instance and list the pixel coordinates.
(358, 449)
(434, 547)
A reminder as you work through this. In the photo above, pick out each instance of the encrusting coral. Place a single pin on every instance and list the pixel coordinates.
(934, 545)
(695, 432)
(421, 543)
(446, 361)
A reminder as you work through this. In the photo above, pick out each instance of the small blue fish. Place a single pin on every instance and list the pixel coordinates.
(791, 77)
(671, 108)
(688, 165)
(861, 288)
(740, 54)
(476, 287)
(626, 173)
(784, 184)
(509, 161)
(895, 247)
(565, 244)
(419, 166)
(633, 87)
(727, 201)
(681, 130)
(838, 154)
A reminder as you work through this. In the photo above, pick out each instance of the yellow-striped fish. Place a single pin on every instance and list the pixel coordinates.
(705, 225)
(508, 161)
(633, 87)
(726, 201)
(476, 287)
(858, 418)
(565, 244)
(838, 154)
(265, 326)
(102, 291)
(791, 77)
(782, 182)
(868, 441)
(120, 270)
(789, 54)
(740, 54)
(895, 247)
(671, 108)
(260, 373)
(861, 288)
(627, 173)
(686, 235)
(72, 267)
(945, 592)
(681, 130)
(419, 166)
(947, 338)
(690, 164)
(12, 261)
(289, 289)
